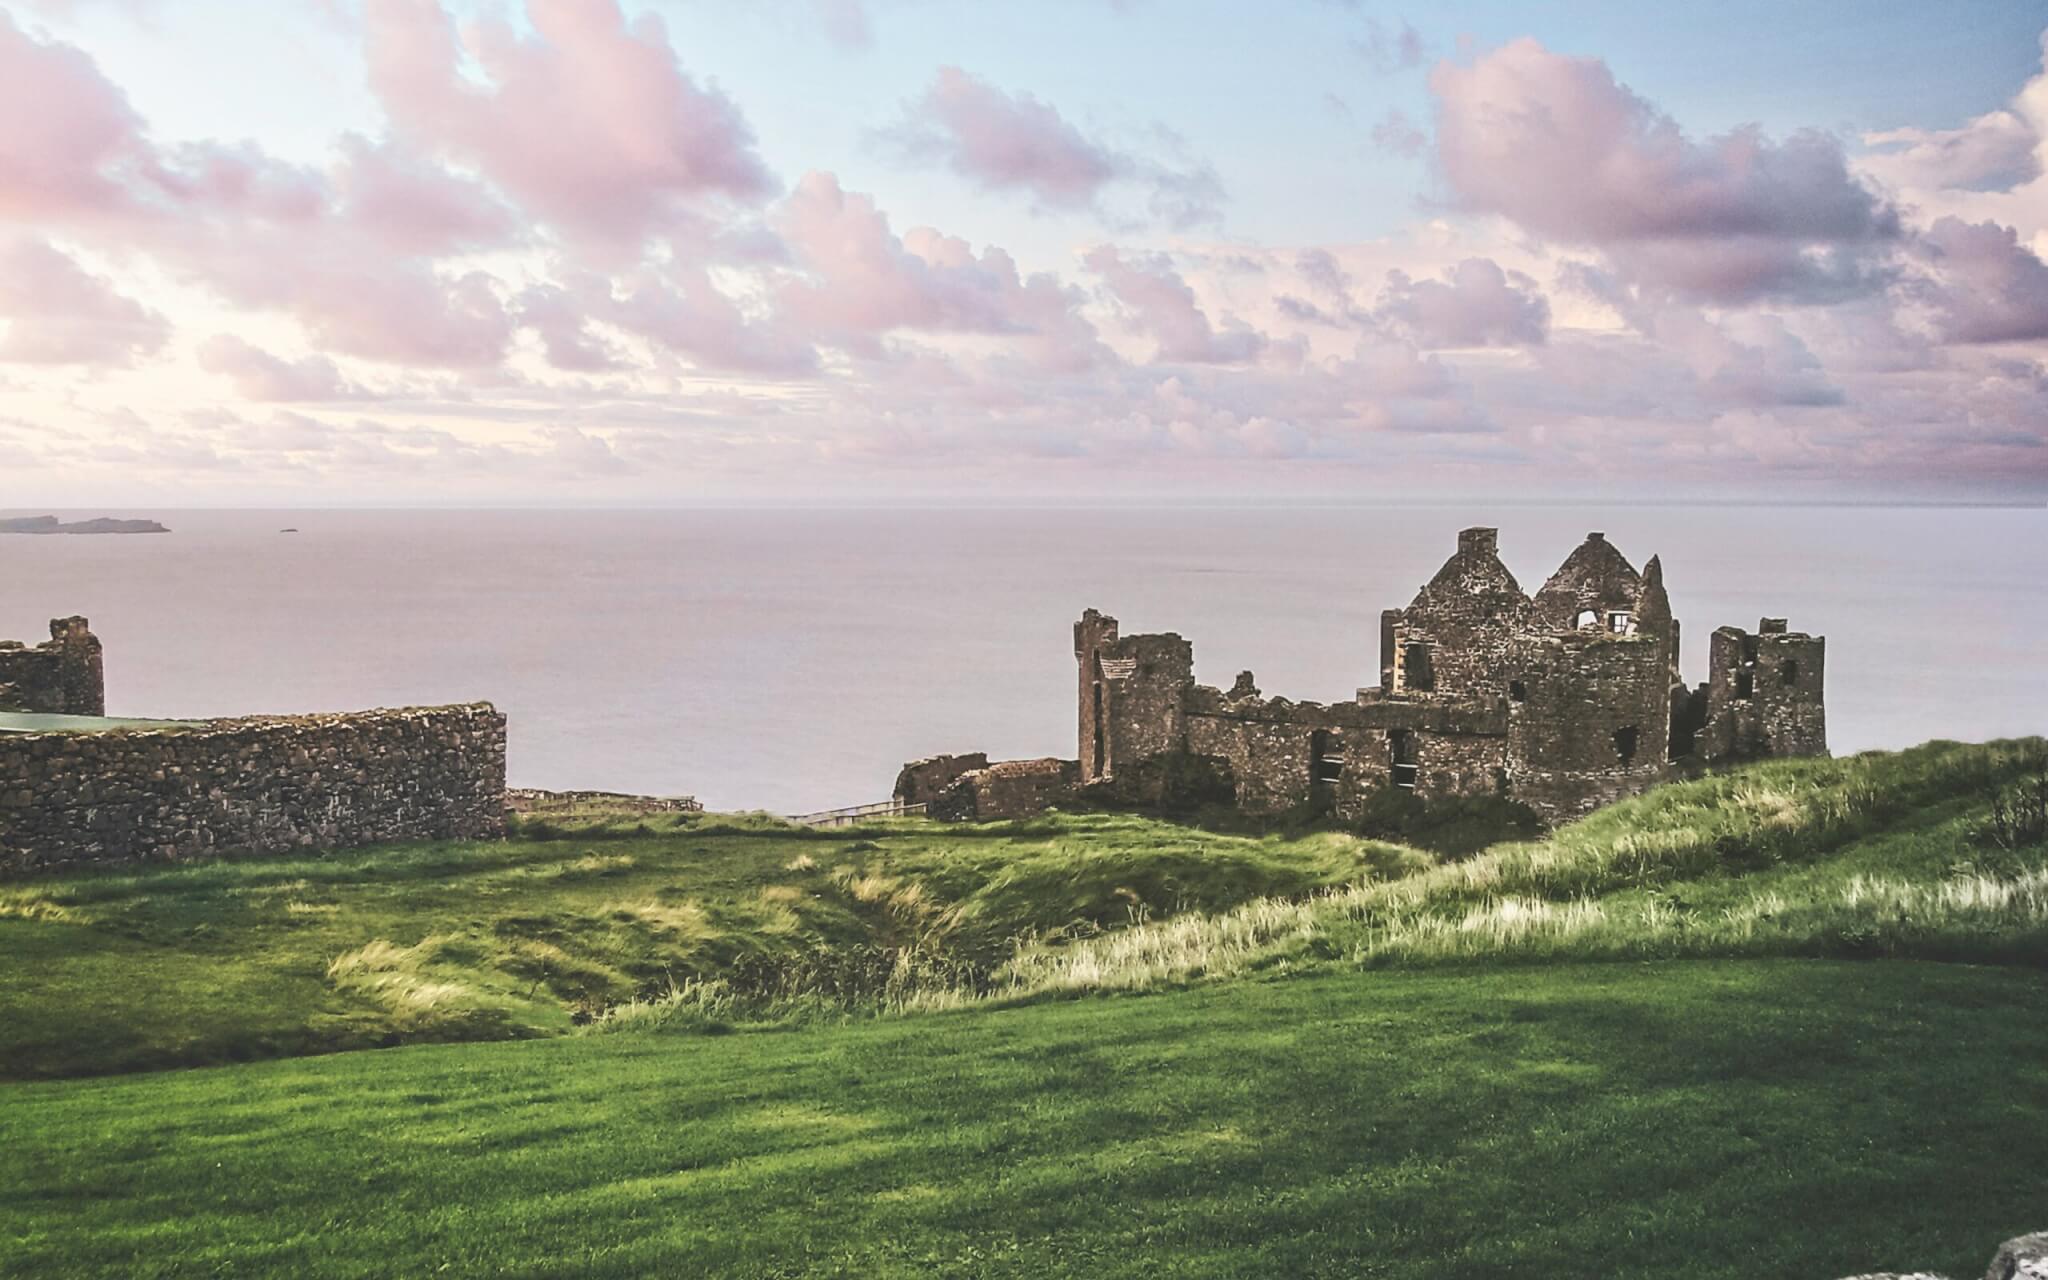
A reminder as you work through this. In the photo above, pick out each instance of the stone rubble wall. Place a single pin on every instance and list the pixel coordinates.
(251, 786)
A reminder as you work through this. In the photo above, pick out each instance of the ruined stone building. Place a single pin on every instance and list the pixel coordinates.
(61, 676)
(1564, 701)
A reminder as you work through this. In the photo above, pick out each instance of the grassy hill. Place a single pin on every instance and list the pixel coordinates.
(1707, 1032)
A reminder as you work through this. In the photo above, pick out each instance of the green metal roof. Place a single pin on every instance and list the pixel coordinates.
(25, 722)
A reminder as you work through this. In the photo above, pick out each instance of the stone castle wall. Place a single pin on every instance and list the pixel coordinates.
(251, 786)
(62, 676)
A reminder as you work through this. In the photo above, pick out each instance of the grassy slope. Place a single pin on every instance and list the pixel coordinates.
(240, 960)
(236, 960)
(1686, 1119)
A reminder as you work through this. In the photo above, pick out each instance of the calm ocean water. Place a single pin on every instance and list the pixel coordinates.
(790, 660)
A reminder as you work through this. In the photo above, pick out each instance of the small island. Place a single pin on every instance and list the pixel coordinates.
(51, 524)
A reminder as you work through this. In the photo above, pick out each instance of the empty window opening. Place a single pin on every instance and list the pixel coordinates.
(1625, 744)
(1586, 618)
(1325, 759)
(1401, 746)
(1749, 648)
(1517, 691)
(1788, 671)
(1745, 684)
(1416, 670)
(1097, 720)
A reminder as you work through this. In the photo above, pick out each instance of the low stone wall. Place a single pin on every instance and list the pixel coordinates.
(251, 786)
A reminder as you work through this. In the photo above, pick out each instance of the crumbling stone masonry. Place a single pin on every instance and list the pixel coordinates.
(253, 786)
(1006, 789)
(923, 781)
(1565, 701)
(61, 676)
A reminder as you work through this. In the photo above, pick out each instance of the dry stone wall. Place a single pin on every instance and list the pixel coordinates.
(251, 786)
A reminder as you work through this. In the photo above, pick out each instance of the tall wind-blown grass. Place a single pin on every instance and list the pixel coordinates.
(1545, 898)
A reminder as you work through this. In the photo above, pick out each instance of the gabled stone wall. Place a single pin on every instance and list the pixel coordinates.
(253, 786)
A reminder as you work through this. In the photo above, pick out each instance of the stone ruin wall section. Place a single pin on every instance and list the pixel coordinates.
(251, 786)
(64, 675)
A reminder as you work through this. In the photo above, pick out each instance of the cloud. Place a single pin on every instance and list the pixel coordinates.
(1557, 146)
(590, 123)
(416, 206)
(860, 280)
(558, 319)
(57, 313)
(1993, 152)
(1014, 142)
(69, 141)
(1162, 305)
(1476, 304)
(1990, 287)
(259, 375)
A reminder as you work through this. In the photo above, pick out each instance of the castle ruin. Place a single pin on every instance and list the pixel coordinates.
(1563, 701)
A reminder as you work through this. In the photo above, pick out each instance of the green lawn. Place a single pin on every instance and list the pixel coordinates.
(1686, 1119)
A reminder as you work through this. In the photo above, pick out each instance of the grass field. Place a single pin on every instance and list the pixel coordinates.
(1787, 1021)
(1692, 1119)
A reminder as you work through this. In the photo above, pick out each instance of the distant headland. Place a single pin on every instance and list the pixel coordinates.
(51, 524)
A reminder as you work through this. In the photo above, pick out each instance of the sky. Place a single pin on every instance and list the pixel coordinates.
(633, 253)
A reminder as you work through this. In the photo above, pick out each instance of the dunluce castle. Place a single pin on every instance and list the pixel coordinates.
(1564, 701)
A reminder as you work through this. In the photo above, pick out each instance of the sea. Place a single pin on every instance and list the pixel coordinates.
(791, 659)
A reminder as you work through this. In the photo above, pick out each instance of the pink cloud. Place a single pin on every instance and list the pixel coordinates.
(558, 319)
(861, 280)
(1476, 304)
(68, 138)
(414, 205)
(1556, 145)
(1016, 142)
(259, 375)
(683, 312)
(591, 123)
(1992, 288)
(1163, 306)
(57, 313)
